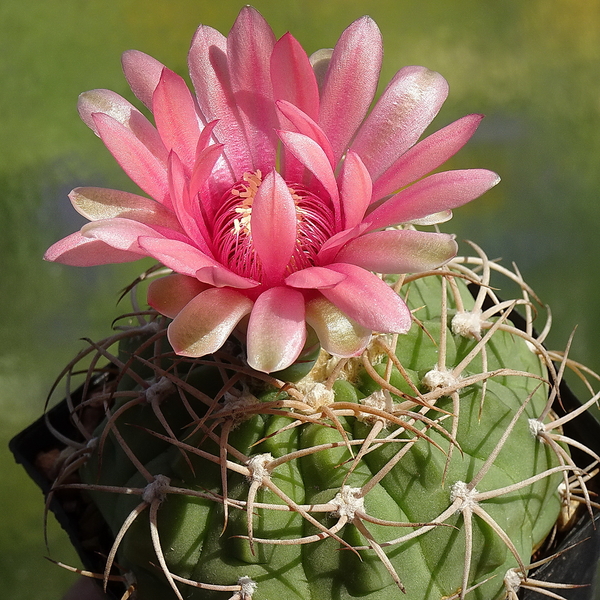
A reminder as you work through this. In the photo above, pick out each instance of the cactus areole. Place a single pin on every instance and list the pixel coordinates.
(316, 407)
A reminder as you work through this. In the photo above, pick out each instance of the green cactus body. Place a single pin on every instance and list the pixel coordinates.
(376, 500)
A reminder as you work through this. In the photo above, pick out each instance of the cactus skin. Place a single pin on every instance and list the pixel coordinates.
(201, 543)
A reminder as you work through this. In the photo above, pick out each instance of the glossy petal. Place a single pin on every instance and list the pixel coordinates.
(368, 300)
(319, 61)
(111, 104)
(142, 166)
(351, 82)
(142, 73)
(433, 219)
(356, 189)
(406, 251)
(205, 161)
(200, 180)
(168, 295)
(405, 109)
(303, 124)
(293, 77)
(77, 250)
(207, 135)
(176, 118)
(209, 71)
(339, 335)
(206, 322)
(190, 219)
(184, 258)
(97, 204)
(218, 276)
(119, 233)
(426, 156)
(313, 157)
(273, 224)
(276, 329)
(436, 193)
(249, 47)
(332, 246)
(315, 278)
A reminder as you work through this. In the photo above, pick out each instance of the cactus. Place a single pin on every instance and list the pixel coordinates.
(296, 415)
(430, 464)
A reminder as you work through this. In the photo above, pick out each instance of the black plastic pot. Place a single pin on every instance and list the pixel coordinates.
(33, 448)
(578, 564)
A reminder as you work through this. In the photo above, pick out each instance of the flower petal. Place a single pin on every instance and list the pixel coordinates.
(314, 278)
(368, 300)
(305, 125)
(97, 204)
(331, 247)
(203, 174)
(351, 82)
(426, 156)
(206, 136)
(79, 251)
(142, 73)
(319, 61)
(135, 158)
(356, 189)
(191, 220)
(436, 193)
(313, 157)
(206, 156)
(218, 276)
(276, 329)
(339, 335)
(186, 259)
(433, 219)
(180, 256)
(120, 233)
(249, 47)
(406, 107)
(168, 295)
(111, 104)
(293, 77)
(206, 322)
(210, 75)
(273, 226)
(405, 251)
(176, 118)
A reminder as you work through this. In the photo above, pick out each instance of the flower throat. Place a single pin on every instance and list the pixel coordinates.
(232, 238)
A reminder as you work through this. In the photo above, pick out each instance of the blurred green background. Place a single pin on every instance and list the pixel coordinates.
(532, 67)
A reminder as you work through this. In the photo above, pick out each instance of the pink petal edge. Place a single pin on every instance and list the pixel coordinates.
(170, 294)
(206, 322)
(436, 193)
(368, 300)
(79, 251)
(351, 82)
(276, 329)
(396, 252)
(338, 334)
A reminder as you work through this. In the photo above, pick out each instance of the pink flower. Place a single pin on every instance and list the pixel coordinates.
(273, 189)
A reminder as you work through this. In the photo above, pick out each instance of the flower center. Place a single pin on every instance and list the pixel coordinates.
(233, 231)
